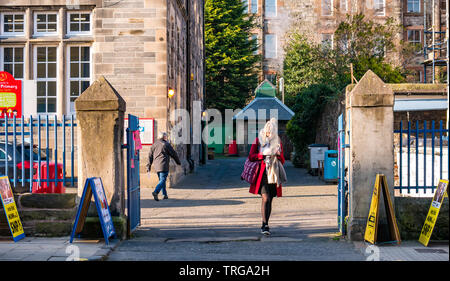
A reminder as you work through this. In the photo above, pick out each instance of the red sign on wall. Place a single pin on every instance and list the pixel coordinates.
(10, 96)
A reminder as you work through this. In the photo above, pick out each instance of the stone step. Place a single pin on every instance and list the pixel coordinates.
(47, 214)
(48, 228)
(28, 214)
(48, 201)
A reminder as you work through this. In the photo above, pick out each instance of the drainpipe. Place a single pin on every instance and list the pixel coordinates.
(188, 83)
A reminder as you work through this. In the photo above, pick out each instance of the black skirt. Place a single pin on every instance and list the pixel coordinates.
(269, 188)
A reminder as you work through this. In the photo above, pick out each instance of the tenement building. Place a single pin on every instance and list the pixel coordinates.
(144, 48)
(318, 20)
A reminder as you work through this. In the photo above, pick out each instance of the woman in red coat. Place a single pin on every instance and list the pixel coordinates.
(267, 148)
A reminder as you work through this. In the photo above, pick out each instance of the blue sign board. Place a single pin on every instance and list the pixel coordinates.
(94, 186)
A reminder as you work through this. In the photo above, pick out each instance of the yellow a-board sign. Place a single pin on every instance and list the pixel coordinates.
(430, 221)
(372, 221)
(12, 215)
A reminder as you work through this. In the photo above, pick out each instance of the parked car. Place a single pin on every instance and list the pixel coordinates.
(19, 153)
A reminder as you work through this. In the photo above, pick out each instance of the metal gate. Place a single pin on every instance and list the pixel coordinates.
(342, 182)
(133, 176)
(422, 156)
(31, 165)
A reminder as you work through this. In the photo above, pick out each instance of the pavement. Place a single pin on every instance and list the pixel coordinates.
(210, 216)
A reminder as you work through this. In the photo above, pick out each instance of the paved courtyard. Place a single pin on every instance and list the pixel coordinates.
(210, 215)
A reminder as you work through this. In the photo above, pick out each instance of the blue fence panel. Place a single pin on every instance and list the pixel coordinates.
(418, 138)
(26, 155)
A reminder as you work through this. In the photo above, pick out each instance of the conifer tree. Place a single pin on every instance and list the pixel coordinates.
(231, 63)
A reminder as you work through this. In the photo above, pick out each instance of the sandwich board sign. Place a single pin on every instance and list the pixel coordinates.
(12, 215)
(372, 221)
(436, 203)
(94, 186)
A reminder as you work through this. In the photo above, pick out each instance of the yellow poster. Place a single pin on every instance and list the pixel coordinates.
(435, 207)
(12, 215)
(371, 228)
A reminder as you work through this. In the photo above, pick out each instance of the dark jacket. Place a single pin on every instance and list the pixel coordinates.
(159, 156)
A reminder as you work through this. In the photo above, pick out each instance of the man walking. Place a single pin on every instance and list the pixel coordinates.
(159, 155)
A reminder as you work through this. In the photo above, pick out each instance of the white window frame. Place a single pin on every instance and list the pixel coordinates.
(343, 6)
(375, 7)
(35, 62)
(419, 3)
(2, 59)
(275, 43)
(276, 9)
(245, 2)
(35, 32)
(2, 27)
(255, 36)
(68, 79)
(420, 36)
(331, 8)
(253, 4)
(72, 33)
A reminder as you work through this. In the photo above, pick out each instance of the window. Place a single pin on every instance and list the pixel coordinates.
(379, 7)
(45, 23)
(271, 8)
(327, 40)
(255, 38)
(272, 78)
(413, 6)
(80, 23)
(254, 6)
(414, 36)
(327, 7)
(79, 72)
(343, 7)
(270, 46)
(45, 74)
(342, 44)
(3, 155)
(12, 23)
(12, 59)
(245, 2)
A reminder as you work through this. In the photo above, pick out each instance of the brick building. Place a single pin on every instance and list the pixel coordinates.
(142, 47)
(318, 19)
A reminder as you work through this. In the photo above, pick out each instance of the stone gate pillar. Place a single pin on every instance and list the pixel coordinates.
(370, 120)
(100, 114)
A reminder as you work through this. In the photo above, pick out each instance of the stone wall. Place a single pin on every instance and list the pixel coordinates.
(327, 125)
(43, 214)
(53, 215)
(411, 213)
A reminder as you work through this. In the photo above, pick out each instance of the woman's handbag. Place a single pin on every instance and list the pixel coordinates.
(250, 171)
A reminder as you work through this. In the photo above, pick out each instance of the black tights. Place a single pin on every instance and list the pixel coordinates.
(266, 207)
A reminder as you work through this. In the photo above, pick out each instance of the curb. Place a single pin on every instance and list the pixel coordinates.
(104, 252)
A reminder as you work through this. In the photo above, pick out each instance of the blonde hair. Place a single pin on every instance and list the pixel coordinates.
(272, 127)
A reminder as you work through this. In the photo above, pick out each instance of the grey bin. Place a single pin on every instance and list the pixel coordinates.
(317, 152)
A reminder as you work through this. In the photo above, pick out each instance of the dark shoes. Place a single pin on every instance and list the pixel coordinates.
(265, 230)
(155, 196)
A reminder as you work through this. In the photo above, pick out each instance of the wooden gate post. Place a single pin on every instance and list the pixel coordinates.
(370, 120)
(100, 114)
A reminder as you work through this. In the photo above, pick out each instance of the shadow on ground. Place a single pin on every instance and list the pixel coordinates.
(211, 232)
(175, 203)
(226, 173)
